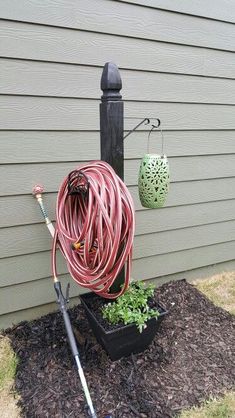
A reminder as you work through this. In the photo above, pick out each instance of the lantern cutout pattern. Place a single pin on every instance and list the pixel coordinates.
(153, 182)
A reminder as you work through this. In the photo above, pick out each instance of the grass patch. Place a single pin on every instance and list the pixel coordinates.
(220, 289)
(8, 362)
(8, 365)
(213, 408)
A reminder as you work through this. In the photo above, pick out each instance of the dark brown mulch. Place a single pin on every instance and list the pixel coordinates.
(192, 357)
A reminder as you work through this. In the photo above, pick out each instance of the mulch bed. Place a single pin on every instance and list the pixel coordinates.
(191, 358)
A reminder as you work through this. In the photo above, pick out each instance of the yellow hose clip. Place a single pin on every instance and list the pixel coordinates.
(76, 245)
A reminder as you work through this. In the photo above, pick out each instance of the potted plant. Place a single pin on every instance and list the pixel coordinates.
(126, 325)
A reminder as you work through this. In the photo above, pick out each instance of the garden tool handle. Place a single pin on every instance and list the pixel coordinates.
(73, 344)
(62, 301)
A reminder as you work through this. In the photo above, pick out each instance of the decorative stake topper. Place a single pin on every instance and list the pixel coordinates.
(37, 189)
(153, 180)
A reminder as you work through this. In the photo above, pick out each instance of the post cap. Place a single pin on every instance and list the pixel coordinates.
(111, 82)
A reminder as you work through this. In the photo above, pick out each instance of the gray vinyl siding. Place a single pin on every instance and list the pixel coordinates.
(176, 61)
(222, 10)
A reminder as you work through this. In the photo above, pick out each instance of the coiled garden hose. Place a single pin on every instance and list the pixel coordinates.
(95, 227)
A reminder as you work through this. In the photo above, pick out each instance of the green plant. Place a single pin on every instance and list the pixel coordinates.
(132, 306)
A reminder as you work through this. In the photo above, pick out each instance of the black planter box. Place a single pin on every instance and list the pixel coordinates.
(125, 339)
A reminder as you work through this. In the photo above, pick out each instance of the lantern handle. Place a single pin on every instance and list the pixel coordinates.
(151, 130)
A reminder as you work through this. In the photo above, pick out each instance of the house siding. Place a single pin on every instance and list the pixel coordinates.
(177, 63)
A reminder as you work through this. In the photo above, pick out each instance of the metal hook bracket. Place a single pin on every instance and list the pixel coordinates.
(145, 121)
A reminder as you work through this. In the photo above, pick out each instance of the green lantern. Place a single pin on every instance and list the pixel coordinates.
(153, 180)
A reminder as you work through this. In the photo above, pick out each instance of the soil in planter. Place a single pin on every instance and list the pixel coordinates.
(191, 358)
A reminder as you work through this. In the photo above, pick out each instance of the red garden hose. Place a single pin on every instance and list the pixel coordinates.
(95, 227)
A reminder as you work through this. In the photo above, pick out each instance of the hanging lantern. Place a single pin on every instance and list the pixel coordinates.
(153, 180)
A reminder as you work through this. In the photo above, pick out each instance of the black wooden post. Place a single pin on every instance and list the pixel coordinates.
(111, 129)
(111, 119)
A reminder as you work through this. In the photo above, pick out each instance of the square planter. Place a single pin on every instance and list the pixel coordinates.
(123, 340)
